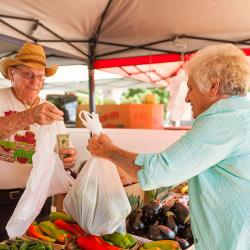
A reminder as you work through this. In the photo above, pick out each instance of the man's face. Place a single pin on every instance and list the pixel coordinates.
(198, 100)
(27, 81)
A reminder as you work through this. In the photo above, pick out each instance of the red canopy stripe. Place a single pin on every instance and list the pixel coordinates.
(140, 60)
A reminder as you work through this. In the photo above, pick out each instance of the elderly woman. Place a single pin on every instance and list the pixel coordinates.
(214, 155)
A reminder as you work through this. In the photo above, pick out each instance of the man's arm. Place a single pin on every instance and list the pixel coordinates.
(44, 113)
(10, 124)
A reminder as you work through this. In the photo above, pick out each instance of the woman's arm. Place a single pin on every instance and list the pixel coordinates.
(102, 146)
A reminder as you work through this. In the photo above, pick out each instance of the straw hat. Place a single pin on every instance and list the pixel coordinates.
(31, 55)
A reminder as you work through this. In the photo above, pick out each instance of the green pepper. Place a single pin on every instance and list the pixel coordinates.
(53, 231)
(131, 239)
(37, 247)
(120, 240)
(163, 244)
(4, 247)
(24, 245)
(49, 247)
(60, 215)
(151, 248)
(13, 247)
(35, 232)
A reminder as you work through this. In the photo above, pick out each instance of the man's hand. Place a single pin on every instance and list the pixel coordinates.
(46, 113)
(100, 146)
(68, 157)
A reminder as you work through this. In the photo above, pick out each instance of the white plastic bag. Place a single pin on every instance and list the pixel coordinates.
(97, 199)
(47, 178)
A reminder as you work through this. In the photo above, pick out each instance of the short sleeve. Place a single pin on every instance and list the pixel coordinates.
(2, 104)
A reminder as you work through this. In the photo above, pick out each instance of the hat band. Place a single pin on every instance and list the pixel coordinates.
(34, 61)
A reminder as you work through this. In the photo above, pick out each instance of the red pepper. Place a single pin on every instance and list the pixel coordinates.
(87, 243)
(34, 231)
(104, 243)
(92, 242)
(67, 226)
(79, 229)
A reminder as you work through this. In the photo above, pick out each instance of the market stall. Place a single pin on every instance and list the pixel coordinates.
(46, 232)
(106, 34)
(129, 37)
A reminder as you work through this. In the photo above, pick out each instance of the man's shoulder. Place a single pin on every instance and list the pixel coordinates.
(5, 94)
(5, 91)
(41, 100)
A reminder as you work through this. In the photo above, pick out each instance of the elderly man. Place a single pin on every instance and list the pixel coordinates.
(21, 114)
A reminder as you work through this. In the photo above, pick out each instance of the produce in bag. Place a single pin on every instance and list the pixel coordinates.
(47, 178)
(97, 200)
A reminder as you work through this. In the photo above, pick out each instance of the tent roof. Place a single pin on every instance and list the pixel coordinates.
(104, 31)
(67, 86)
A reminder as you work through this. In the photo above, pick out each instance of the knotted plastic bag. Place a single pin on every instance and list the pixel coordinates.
(97, 199)
(47, 178)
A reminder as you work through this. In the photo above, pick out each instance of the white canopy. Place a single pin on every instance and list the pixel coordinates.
(119, 33)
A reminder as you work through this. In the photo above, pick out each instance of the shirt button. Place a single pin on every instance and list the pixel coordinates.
(196, 241)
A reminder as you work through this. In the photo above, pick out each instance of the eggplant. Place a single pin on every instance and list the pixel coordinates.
(135, 225)
(162, 214)
(150, 212)
(182, 242)
(181, 212)
(185, 232)
(160, 232)
(170, 221)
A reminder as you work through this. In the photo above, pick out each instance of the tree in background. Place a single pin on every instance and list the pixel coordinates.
(147, 96)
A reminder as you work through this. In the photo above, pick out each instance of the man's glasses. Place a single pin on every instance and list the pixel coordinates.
(30, 76)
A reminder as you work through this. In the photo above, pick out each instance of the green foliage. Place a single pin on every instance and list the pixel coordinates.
(135, 201)
(137, 95)
(162, 93)
(109, 101)
(83, 97)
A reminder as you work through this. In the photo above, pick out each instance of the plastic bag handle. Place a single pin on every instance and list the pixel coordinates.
(91, 121)
(81, 118)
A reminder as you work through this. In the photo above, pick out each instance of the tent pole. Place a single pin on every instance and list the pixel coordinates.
(91, 72)
(92, 58)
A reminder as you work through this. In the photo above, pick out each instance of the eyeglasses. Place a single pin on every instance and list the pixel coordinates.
(30, 75)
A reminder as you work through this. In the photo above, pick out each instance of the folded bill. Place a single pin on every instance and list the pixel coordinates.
(62, 143)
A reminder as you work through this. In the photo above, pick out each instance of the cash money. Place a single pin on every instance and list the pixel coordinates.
(63, 142)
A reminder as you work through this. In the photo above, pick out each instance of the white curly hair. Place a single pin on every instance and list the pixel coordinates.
(224, 63)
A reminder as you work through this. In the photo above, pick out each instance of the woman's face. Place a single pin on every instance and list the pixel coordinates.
(198, 100)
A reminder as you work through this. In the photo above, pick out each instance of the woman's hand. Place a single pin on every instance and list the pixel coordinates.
(100, 146)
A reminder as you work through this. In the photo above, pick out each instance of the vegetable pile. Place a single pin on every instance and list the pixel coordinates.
(162, 221)
(21, 244)
(62, 229)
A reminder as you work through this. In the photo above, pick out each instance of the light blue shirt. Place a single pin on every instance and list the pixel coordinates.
(215, 157)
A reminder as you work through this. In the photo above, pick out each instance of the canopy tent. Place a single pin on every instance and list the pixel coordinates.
(121, 33)
(72, 86)
(75, 79)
